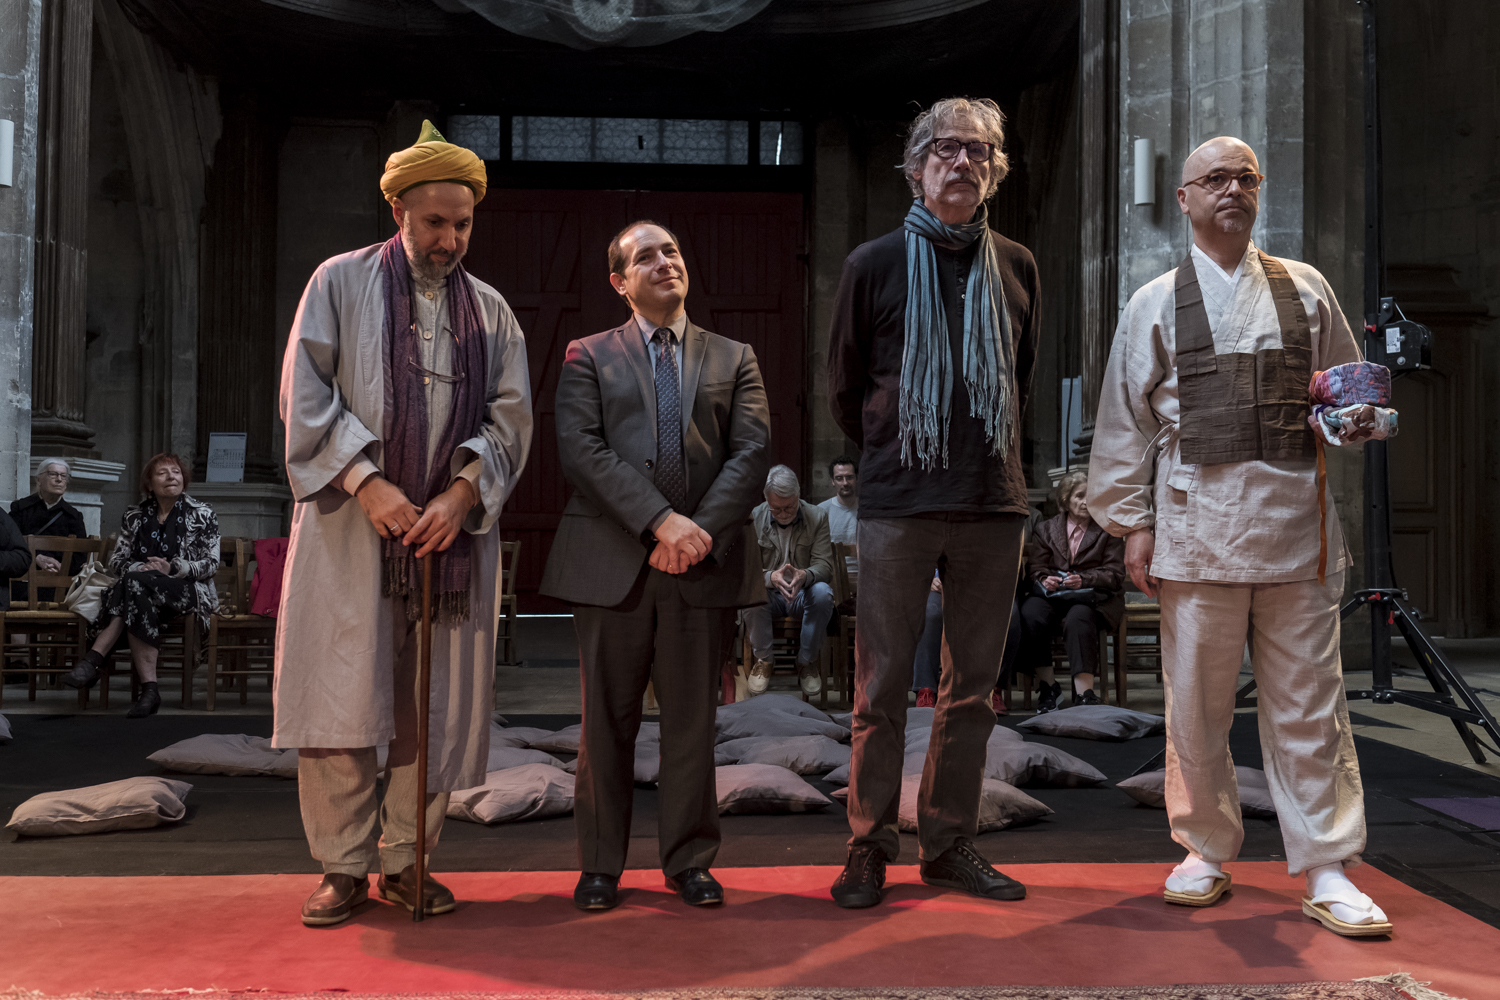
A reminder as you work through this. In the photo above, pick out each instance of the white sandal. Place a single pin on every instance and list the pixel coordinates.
(1319, 909)
(1209, 898)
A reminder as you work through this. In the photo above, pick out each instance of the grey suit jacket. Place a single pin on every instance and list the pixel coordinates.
(606, 441)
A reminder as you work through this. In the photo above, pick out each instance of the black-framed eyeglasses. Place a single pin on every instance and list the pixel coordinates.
(428, 372)
(979, 152)
(1218, 181)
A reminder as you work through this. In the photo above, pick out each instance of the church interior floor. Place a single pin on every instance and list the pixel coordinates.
(251, 826)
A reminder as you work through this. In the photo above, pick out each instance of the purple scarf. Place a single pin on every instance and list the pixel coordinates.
(406, 431)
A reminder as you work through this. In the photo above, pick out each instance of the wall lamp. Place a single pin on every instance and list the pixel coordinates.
(1145, 172)
(7, 152)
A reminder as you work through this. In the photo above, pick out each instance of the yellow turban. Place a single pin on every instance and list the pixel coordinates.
(433, 158)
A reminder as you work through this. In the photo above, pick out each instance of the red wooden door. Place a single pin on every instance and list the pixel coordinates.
(545, 251)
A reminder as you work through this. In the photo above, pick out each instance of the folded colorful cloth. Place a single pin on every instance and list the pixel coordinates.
(1348, 385)
(1328, 422)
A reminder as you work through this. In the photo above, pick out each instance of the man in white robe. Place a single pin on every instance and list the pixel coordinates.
(346, 638)
(1204, 463)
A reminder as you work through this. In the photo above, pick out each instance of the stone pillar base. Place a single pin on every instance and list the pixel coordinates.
(83, 489)
(247, 510)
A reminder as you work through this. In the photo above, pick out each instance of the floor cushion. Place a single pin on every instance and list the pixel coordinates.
(775, 702)
(803, 754)
(517, 736)
(1022, 763)
(531, 791)
(1095, 722)
(227, 753)
(1000, 805)
(4, 729)
(503, 757)
(131, 804)
(764, 788)
(1255, 794)
(562, 741)
(739, 725)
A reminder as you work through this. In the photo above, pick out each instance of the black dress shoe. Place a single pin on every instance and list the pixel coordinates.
(696, 887)
(962, 867)
(147, 703)
(334, 899)
(1046, 699)
(595, 891)
(863, 878)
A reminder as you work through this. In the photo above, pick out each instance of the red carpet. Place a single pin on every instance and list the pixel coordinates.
(1082, 925)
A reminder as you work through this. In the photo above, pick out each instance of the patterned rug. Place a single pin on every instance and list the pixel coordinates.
(1398, 986)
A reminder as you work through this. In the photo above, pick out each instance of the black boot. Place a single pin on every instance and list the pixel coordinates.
(1086, 697)
(147, 703)
(1046, 700)
(85, 672)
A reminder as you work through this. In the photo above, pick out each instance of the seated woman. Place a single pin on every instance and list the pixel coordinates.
(1071, 552)
(164, 565)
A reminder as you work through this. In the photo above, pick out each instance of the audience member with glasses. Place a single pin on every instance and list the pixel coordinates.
(45, 512)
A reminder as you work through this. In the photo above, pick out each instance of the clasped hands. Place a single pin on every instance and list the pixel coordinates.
(1070, 582)
(680, 543)
(394, 516)
(788, 580)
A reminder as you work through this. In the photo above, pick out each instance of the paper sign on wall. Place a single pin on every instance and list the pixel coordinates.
(226, 458)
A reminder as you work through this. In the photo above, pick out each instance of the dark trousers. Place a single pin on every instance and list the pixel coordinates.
(1079, 623)
(980, 561)
(928, 666)
(651, 636)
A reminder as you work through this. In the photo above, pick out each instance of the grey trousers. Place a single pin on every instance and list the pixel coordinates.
(1307, 747)
(979, 561)
(336, 788)
(651, 636)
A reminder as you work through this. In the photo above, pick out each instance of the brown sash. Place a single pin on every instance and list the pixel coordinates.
(1243, 407)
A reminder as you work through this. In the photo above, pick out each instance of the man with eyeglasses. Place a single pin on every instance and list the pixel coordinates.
(932, 345)
(407, 405)
(1204, 462)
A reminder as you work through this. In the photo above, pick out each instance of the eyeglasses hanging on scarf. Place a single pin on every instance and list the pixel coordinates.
(428, 372)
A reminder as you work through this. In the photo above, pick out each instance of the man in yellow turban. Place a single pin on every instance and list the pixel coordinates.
(407, 406)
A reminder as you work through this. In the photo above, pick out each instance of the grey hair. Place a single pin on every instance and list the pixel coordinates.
(782, 481)
(982, 113)
(46, 463)
(1066, 485)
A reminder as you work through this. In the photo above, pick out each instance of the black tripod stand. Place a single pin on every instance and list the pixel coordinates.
(1402, 346)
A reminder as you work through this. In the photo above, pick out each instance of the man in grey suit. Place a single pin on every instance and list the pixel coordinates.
(664, 432)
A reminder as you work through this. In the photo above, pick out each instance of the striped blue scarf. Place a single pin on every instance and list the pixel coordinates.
(926, 361)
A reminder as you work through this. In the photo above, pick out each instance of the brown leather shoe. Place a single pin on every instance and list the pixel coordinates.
(436, 897)
(335, 899)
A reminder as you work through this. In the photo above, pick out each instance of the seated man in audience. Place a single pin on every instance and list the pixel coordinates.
(796, 554)
(1078, 575)
(45, 512)
(14, 556)
(843, 522)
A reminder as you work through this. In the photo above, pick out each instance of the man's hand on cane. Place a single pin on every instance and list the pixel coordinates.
(443, 519)
(387, 507)
(1140, 545)
(680, 543)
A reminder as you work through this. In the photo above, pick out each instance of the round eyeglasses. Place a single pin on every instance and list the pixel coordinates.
(1218, 181)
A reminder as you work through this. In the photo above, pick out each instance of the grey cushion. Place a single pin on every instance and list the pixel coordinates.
(227, 753)
(506, 757)
(562, 741)
(774, 722)
(764, 788)
(131, 804)
(531, 791)
(516, 736)
(1255, 796)
(917, 740)
(838, 776)
(918, 737)
(803, 754)
(845, 719)
(1095, 722)
(4, 729)
(499, 719)
(1000, 805)
(1020, 763)
(648, 759)
(774, 702)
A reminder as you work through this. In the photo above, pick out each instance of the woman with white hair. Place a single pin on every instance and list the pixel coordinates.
(45, 512)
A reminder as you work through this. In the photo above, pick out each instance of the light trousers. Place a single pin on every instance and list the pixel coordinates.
(336, 788)
(1306, 743)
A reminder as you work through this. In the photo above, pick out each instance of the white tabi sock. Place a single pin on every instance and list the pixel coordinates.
(1343, 898)
(1194, 876)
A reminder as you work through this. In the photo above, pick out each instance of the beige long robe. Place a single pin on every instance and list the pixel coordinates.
(1238, 522)
(334, 632)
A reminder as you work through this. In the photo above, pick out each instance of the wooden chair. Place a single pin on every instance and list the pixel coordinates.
(505, 633)
(1142, 622)
(181, 649)
(56, 638)
(786, 641)
(244, 641)
(1061, 667)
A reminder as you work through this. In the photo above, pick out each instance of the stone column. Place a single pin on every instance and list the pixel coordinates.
(1098, 196)
(20, 67)
(58, 344)
(238, 364)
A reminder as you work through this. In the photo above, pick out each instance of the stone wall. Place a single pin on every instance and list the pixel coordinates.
(20, 54)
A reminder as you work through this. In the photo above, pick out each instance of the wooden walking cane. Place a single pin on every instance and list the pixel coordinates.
(424, 703)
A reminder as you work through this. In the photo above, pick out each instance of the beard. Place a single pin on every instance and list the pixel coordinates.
(423, 262)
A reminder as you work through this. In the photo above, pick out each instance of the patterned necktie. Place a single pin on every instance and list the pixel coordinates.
(671, 478)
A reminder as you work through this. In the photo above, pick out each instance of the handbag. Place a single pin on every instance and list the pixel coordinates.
(85, 596)
(1092, 596)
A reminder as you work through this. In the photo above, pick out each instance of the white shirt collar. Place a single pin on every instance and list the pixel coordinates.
(648, 329)
(1200, 259)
